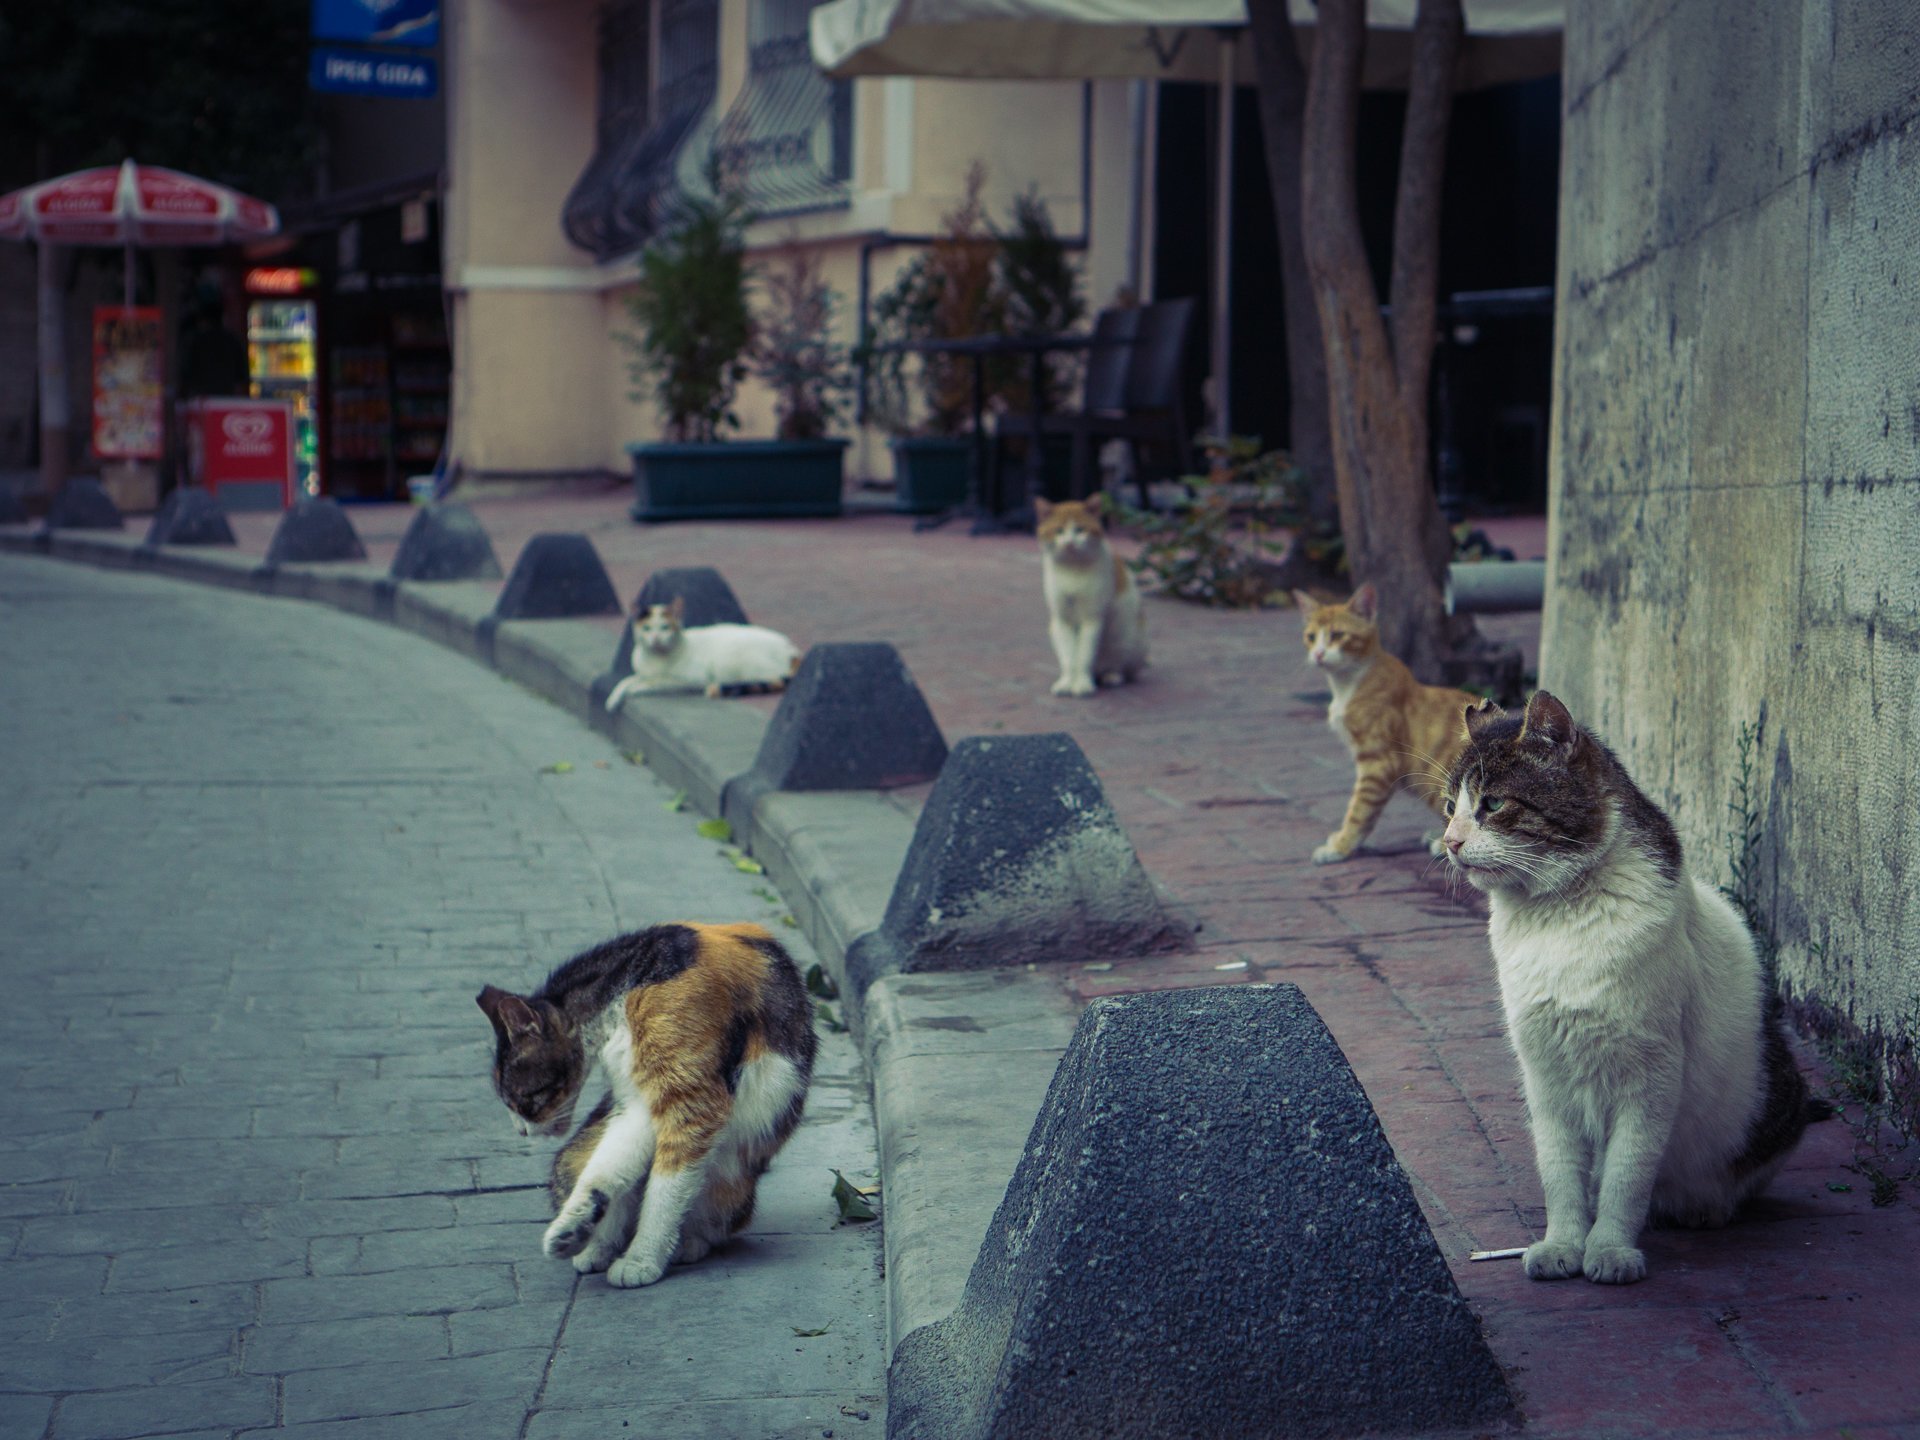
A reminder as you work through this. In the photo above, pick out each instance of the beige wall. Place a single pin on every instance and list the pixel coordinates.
(529, 341)
(541, 381)
(1737, 453)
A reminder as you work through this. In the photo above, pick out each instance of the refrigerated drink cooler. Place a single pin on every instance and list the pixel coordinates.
(283, 364)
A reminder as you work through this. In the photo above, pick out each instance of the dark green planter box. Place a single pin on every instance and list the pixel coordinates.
(737, 479)
(930, 472)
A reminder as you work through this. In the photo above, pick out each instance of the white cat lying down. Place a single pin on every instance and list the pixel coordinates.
(668, 655)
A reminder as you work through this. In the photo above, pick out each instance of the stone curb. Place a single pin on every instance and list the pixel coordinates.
(959, 1063)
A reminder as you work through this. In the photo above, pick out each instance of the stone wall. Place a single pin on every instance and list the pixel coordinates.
(1736, 466)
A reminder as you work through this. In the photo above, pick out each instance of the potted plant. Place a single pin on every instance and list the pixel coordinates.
(973, 279)
(1040, 292)
(795, 355)
(948, 290)
(693, 347)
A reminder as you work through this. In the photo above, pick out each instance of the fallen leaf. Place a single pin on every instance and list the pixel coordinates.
(1099, 965)
(820, 983)
(1232, 965)
(714, 830)
(790, 922)
(824, 1012)
(1838, 1188)
(809, 1334)
(676, 802)
(602, 764)
(635, 757)
(747, 865)
(853, 1205)
(559, 767)
(772, 897)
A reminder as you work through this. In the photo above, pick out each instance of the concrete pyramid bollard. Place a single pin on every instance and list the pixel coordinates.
(83, 504)
(557, 575)
(852, 719)
(701, 589)
(708, 599)
(1207, 1234)
(1017, 857)
(189, 516)
(445, 542)
(313, 531)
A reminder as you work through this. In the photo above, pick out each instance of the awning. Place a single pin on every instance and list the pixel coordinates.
(1150, 39)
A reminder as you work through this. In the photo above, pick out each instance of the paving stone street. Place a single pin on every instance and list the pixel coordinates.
(257, 859)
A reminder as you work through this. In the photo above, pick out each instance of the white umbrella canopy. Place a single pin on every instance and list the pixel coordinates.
(1147, 39)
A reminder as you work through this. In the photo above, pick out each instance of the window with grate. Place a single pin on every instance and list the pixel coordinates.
(788, 139)
(656, 121)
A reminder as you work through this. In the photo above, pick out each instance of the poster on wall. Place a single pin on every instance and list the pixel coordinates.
(129, 371)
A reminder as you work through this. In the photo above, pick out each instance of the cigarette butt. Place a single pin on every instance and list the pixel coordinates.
(1513, 1254)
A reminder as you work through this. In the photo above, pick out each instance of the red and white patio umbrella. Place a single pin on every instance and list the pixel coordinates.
(130, 205)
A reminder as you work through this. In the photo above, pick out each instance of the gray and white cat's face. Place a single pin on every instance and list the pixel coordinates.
(539, 1063)
(1525, 810)
(658, 630)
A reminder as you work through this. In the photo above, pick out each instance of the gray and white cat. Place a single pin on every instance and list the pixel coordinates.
(1651, 1040)
(670, 655)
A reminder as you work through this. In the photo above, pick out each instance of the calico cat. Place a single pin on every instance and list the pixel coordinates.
(669, 655)
(706, 1036)
(1651, 1041)
(1402, 734)
(1098, 632)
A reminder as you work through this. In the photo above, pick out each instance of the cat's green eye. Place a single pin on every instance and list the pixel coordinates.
(1449, 809)
(1493, 803)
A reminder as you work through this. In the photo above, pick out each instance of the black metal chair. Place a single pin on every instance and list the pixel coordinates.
(1132, 392)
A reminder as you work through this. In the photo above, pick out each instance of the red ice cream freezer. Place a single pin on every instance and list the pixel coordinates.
(242, 451)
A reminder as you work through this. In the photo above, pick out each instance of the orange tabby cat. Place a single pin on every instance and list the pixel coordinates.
(1401, 733)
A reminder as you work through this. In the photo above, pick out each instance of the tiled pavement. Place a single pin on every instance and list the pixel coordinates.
(1795, 1321)
(257, 858)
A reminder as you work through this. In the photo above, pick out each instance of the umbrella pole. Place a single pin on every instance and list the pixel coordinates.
(1223, 240)
(54, 409)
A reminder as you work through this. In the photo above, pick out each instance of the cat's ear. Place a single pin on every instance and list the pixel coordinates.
(1097, 503)
(1042, 507)
(1549, 722)
(678, 609)
(511, 1015)
(1365, 601)
(1480, 715)
(1306, 605)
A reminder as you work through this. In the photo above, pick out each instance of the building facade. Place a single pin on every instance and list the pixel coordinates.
(1736, 463)
(573, 123)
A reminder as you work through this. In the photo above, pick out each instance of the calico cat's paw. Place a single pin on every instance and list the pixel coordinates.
(1552, 1260)
(1329, 854)
(1614, 1264)
(573, 1227)
(626, 1273)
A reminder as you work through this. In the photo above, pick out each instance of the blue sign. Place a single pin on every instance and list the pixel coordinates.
(413, 23)
(373, 72)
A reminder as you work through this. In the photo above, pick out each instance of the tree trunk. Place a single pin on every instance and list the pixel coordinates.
(1377, 384)
(1283, 99)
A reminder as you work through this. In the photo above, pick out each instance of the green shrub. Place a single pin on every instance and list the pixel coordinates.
(695, 327)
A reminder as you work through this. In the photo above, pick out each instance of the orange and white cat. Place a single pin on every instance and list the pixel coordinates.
(1402, 734)
(1093, 607)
